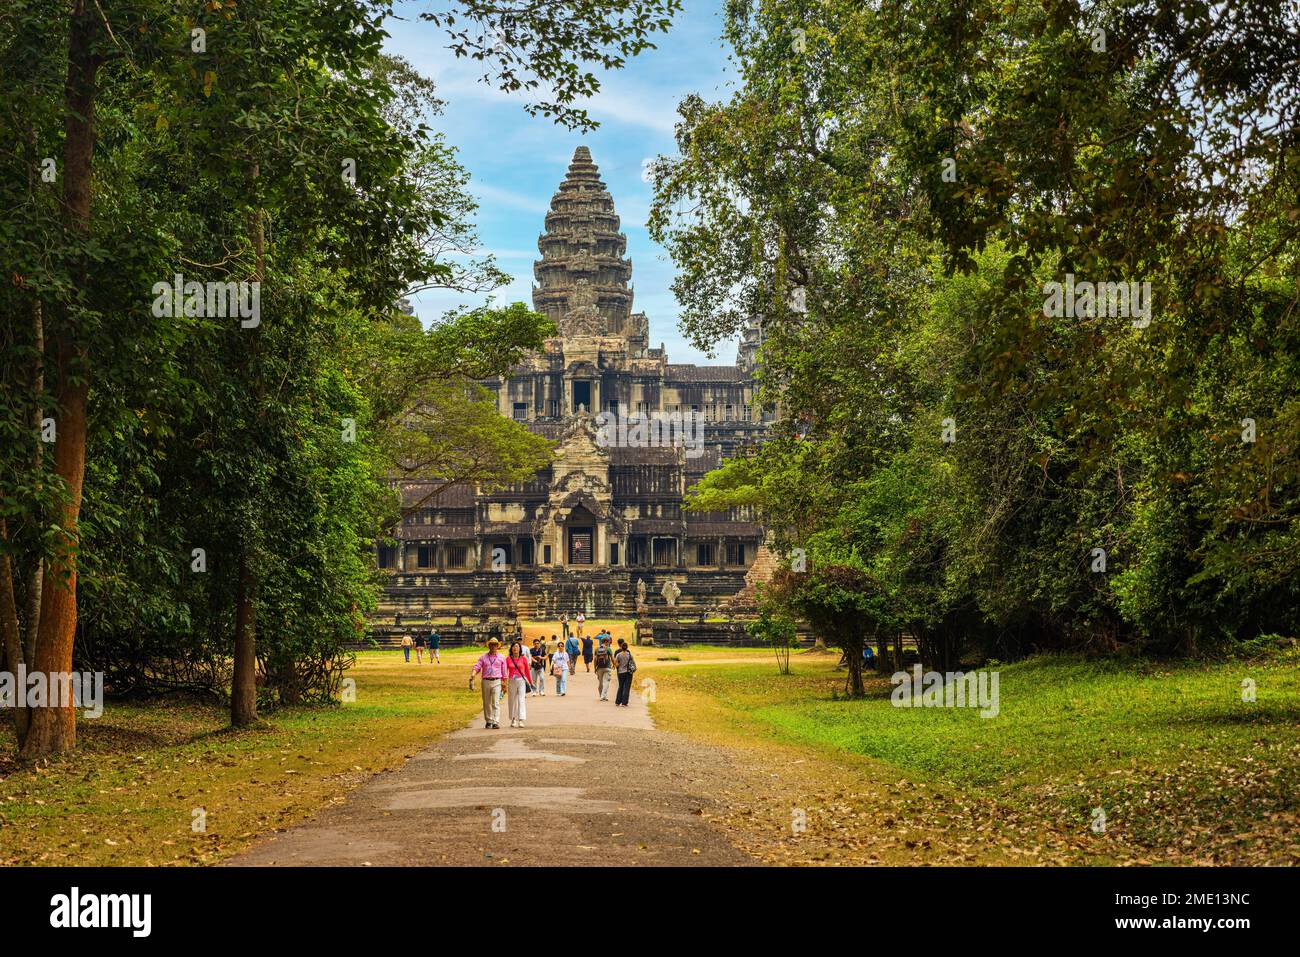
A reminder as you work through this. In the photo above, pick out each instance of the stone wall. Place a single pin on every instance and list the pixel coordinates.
(669, 633)
(545, 593)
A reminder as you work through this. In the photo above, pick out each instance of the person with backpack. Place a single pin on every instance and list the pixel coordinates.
(560, 669)
(625, 664)
(588, 651)
(406, 647)
(518, 684)
(604, 669)
(572, 648)
(539, 667)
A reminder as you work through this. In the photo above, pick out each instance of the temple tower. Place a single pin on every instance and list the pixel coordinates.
(583, 279)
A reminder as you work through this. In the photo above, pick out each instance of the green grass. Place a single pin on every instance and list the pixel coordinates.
(1169, 751)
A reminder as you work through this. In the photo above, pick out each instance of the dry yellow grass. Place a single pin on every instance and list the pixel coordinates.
(130, 792)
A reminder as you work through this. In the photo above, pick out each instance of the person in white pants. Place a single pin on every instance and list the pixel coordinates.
(518, 670)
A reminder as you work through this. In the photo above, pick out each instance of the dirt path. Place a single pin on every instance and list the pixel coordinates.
(584, 783)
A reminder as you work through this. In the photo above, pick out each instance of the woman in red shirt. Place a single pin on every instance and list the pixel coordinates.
(517, 680)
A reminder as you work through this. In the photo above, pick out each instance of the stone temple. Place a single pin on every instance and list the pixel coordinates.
(606, 517)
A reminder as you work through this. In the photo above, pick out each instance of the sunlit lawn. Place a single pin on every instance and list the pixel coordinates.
(1170, 752)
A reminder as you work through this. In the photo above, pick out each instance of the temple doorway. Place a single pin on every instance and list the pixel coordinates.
(580, 544)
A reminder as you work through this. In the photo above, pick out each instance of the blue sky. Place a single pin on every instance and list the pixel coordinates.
(517, 161)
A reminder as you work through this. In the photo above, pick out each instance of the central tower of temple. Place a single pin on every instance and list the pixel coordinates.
(583, 280)
(603, 525)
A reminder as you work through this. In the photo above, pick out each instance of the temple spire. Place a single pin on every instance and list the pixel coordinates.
(583, 278)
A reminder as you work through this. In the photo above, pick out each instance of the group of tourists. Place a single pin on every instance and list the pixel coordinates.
(522, 671)
(432, 640)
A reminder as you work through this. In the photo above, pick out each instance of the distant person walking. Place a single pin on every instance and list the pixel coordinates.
(435, 640)
(588, 651)
(518, 674)
(552, 646)
(406, 647)
(419, 648)
(572, 648)
(582, 619)
(492, 666)
(564, 624)
(604, 669)
(539, 667)
(626, 667)
(560, 668)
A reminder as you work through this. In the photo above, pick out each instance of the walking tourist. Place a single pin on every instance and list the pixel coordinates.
(560, 668)
(581, 620)
(626, 666)
(604, 669)
(435, 640)
(588, 651)
(518, 674)
(564, 624)
(492, 666)
(572, 648)
(539, 667)
(419, 648)
(553, 646)
(406, 647)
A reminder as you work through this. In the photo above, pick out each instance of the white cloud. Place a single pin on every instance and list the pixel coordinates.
(496, 196)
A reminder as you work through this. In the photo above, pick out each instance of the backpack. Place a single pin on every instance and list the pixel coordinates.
(602, 658)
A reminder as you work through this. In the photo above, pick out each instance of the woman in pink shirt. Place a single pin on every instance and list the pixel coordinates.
(517, 681)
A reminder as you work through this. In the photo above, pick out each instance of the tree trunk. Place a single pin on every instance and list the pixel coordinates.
(36, 572)
(54, 728)
(243, 683)
(853, 654)
(11, 642)
(884, 664)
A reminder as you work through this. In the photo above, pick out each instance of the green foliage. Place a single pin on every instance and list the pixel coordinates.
(888, 191)
(777, 630)
(527, 46)
(283, 149)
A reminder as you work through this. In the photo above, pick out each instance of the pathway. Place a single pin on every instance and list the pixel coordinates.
(584, 783)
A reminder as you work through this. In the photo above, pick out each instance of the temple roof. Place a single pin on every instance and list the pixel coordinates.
(693, 373)
(458, 496)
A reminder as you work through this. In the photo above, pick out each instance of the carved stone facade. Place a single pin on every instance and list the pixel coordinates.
(608, 511)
